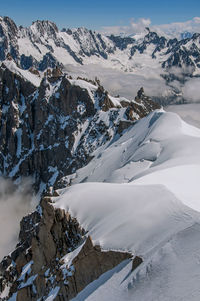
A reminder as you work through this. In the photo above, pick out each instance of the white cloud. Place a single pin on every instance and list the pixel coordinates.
(171, 30)
(177, 28)
(191, 90)
(140, 25)
(14, 204)
(188, 112)
(134, 27)
(123, 83)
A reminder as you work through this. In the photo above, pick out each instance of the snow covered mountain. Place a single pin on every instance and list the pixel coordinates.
(119, 216)
(43, 45)
(51, 126)
(137, 197)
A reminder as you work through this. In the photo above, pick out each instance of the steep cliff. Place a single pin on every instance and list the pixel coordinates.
(54, 257)
(48, 129)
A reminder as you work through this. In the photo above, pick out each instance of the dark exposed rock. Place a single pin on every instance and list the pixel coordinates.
(34, 71)
(39, 126)
(9, 35)
(92, 43)
(48, 61)
(120, 42)
(37, 265)
(27, 62)
(57, 72)
(9, 57)
(45, 235)
(136, 262)
(140, 93)
(46, 27)
(150, 38)
(141, 100)
(123, 125)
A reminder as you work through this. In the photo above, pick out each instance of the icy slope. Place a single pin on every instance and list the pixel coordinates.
(25, 74)
(159, 149)
(173, 273)
(148, 210)
(128, 217)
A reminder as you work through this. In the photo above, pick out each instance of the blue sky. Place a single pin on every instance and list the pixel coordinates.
(94, 14)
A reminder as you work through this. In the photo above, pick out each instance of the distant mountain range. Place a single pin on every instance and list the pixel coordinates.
(43, 45)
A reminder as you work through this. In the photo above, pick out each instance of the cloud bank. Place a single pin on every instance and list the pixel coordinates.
(127, 84)
(191, 90)
(190, 113)
(134, 27)
(14, 204)
(170, 30)
(122, 83)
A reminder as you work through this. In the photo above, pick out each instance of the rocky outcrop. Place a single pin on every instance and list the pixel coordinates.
(53, 254)
(50, 131)
(45, 236)
(90, 263)
(136, 262)
(9, 38)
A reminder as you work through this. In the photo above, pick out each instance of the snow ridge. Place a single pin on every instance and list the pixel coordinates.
(142, 195)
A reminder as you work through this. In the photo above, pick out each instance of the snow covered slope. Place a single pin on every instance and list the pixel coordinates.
(159, 149)
(138, 195)
(147, 207)
(172, 273)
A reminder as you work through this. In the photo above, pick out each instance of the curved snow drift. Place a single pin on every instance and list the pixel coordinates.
(149, 204)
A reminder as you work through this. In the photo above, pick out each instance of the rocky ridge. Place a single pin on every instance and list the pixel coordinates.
(50, 130)
(54, 258)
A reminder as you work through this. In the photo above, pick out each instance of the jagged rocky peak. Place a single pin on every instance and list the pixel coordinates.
(9, 41)
(92, 43)
(153, 37)
(142, 97)
(196, 36)
(54, 253)
(140, 93)
(44, 28)
(39, 32)
(38, 264)
(8, 26)
(51, 130)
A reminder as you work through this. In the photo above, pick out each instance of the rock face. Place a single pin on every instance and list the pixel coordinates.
(9, 38)
(49, 131)
(50, 127)
(45, 236)
(53, 254)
